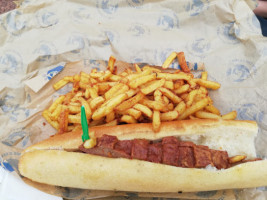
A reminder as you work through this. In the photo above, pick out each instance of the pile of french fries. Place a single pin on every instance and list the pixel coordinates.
(145, 95)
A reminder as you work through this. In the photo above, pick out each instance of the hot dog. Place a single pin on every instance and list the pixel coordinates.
(187, 155)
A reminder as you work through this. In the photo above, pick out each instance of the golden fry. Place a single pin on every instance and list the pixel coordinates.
(204, 75)
(111, 62)
(130, 102)
(128, 119)
(108, 106)
(156, 121)
(137, 68)
(47, 115)
(155, 85)
(68, 78)
(144, 109)
(115, 77)
(75, 119)
(110, 93)
(230, 115)
(194, 108)
(54, 116)
(182, 89)
(74, 109)
(169, 60)
(63, 121)
(110, 117)
(211, 108)
(134, 113)
(142, 80)
(145, 72)
(60, 84)
(169, 85)
(169, 76)
(55, 104)
(182, 62)
(168, 93)
(236, 159)
(87, 108)
(155, 105)
(180, 108)
(206, 115)
(96, 102)
(208, 84)
(169, 116)
(191, 97)
(105, 76)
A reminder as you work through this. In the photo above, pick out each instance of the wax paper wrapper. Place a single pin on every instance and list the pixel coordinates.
(40, 37)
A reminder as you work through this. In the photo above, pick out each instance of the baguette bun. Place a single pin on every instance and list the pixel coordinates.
(51, 161)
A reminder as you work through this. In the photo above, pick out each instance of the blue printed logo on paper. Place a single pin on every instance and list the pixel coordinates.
(17, 135)
(77, 42)
(45, 50)
(228, 33)
(109, 36)
(138, 30)
(107, 7)
(138, 56)
(11, 62)
(14, 22)
(240, 70)
(94, 64)
(135, 3)
(7, 166)
(168, 21)
(250, 111)
(47, 18)
(195, 7)
(81, 14)
(199, 47)
(52, 72)
(253, 24)
(15, 111)
(10, 161)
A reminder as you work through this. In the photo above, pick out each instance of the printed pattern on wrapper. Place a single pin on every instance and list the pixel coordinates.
(135, 31)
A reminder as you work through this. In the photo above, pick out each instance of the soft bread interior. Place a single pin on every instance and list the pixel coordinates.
(235, 137)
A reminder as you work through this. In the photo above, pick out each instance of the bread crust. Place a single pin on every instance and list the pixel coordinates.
(183, 128)
(73, 169)
(51, 161)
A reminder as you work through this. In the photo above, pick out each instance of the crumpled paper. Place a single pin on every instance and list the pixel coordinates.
(40, 37)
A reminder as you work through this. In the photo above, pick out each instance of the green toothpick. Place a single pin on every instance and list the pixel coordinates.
(85, 135)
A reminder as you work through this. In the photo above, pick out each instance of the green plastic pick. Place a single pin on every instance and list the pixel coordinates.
(85, 135)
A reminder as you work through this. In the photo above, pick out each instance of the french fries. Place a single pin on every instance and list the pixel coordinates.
(141, 95)
(208, 84)
(206, 115)
(182, 62)
(169, 116)
(194, 108)
(130, 102)
(169, 60)
(155, 85)
(230, 115)
(236, 159)
(156, 121)
(144, 109)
